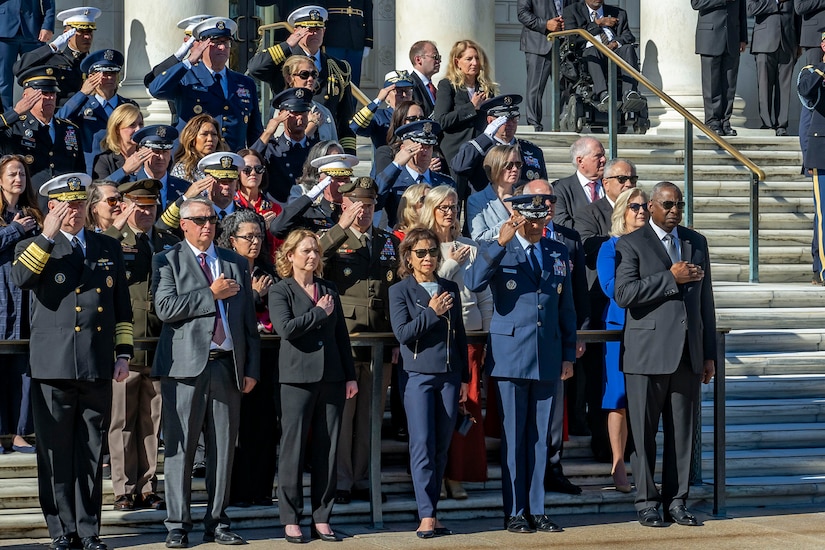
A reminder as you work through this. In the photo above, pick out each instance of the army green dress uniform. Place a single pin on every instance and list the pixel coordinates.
(363, 274)
(136, 403)
(80, 320)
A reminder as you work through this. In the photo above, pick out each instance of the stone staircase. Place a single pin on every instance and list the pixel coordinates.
(775, 364)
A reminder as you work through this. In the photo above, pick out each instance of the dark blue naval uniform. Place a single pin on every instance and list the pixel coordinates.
(373, 123)
(20, 24)
(392, 183)
(195, 91)
(69, 76)
(284, 163)
(303, 214)
(90, 116)
(469, 161)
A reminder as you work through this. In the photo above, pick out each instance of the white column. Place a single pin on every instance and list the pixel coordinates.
(667, 46)
(150, 36)
(444, 22)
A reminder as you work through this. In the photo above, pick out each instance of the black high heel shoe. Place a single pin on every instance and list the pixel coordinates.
(326, 537)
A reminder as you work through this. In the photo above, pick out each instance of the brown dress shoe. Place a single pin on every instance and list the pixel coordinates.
(152, 501)
(124, 503)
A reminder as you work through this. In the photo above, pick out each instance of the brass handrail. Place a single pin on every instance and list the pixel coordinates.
(359, 96)
(624, 66)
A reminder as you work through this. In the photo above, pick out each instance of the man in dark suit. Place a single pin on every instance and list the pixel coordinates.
(531, 349)
(609, 24)
(136, 404)
(24, 25)
(774, 44)
(538, 18)
(203, 83)
(426, 62)
(80, 321)
(583, 187)
(721, 35)
(335, 93)
(65, 53)
(207, 355)
(663, 281)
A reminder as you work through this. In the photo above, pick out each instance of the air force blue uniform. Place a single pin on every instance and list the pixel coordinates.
(20, 24)
(392, 183)
(533, 330)
(194, 90)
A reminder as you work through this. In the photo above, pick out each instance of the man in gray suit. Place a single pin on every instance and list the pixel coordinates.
(721, 35)
(538, 17)
(774, 44)
(663, 281)
(585, 186)
(208, 353)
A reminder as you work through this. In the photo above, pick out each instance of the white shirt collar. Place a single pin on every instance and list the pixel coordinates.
(211, 254)
(103, 101)
(422, 76)
(415, 174)
(81, 237)
(660, 233)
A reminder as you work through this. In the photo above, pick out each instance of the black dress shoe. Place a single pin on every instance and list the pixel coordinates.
(295, 539)
(124, 503)
(544, 523)
(93, 543)
(649, 517)
(425, 534)
(781, 132)
(559, 483)
(199, 470)
(729, 131)
(326, 537)
(342, 497)
(61, 543)
(177, 538)
(680, 515)
(223, 536)
(519, 524)
(442, 532)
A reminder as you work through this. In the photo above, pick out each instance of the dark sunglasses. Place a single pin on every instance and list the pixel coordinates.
(306, 74)
(413, 118)
(202, 220)
(446, 208)
(552, 199)
(260, 169)
(636, 206)
(513, 164)
(668, 205)
(113, 200)
(622, 179)
(421, 252)
(251, 238)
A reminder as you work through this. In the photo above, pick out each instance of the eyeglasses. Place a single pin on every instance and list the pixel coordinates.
(513, 164)
(260, 169)
(431, 252)
(251, 238)
(114, 200)
(552, 199)
(403, 91)
(623, 179)
(447, 208)
(306, 74)
(635, 206)
(413, 118)
(668, 205)
(436, 57)
(202, 220)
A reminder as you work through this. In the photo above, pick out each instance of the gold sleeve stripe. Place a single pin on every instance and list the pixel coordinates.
(34, 258)
(277, 54)
(363, 117)
(347, 142)
(171, 216)
(124, 334)
(5, 122)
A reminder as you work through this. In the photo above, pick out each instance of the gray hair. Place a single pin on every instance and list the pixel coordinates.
(232, 223)
(186, 207)
(608, 166)
(581, 147)
(661, 186)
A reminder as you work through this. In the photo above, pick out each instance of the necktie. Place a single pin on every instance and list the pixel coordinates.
(431, 88)
(365, 242)
(594, 195)
(420, 179)
(670, 246)
(219, 334)
(222, 214)
(534, 261)
(603, 35)
(108, 107)
(76, 246)
(219, 80)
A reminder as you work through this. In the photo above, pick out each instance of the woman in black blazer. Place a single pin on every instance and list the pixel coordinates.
(425, 311)
(316, 374)
(460, 94)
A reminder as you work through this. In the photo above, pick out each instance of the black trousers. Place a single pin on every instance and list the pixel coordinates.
(71, 421)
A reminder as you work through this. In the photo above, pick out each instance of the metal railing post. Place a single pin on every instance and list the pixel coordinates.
(612, 116)
(688, 173)
(753, 225)
(555, 91)
(719, 422)
(377, 415)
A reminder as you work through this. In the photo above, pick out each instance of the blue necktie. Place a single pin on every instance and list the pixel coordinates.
(534, 261)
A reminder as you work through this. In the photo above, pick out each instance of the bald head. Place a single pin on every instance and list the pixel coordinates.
(537, 187)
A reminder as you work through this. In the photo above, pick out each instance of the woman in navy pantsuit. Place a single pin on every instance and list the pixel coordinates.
(425, 311)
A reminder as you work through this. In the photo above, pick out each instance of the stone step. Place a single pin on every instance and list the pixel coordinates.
(749, 437)
(777, 461)
(768, 295)
(807, 410)
(768, 221)
(763, 387)
(777, 317)
(701, 157)
(630, 142)
(770, 364)
(775, 341)
(741, 237)
(767, 204)
(740, 254)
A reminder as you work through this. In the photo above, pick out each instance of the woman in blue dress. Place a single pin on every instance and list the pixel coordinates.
(629, 214)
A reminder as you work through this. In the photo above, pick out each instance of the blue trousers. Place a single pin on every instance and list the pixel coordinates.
(353, 57)
(526, 408)
(10, 50)
(431, 402)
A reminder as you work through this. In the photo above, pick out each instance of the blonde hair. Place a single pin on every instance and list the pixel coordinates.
(282, 263)
(124, 115)
(496, 158)
(617, 223)
(456, 77)
(434, 198)
(289, 67)
(407, 213)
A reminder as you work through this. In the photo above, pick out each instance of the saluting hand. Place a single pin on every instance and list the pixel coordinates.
(199, 187)
(223, 288)
(406, 152)
(91, 83)
(54, 219)
(509, 228)
(197, 50)
(29, 100)
(350, 214)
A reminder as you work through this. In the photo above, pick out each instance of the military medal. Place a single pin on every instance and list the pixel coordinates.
(197, 109)
(28, 133)
(389, 276)
(29, 159)
(59, 278)
(111, 282)
(559, 268)
(511, 284)
(558, 288)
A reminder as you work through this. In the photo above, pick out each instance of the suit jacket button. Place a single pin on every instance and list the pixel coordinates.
(99, 329)
(320, 344)
(538, 291)
(100, 309)
(541, 306)
(538, 324)
(77, 329)
(77, 290)
(78, 308)
(97, 290)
